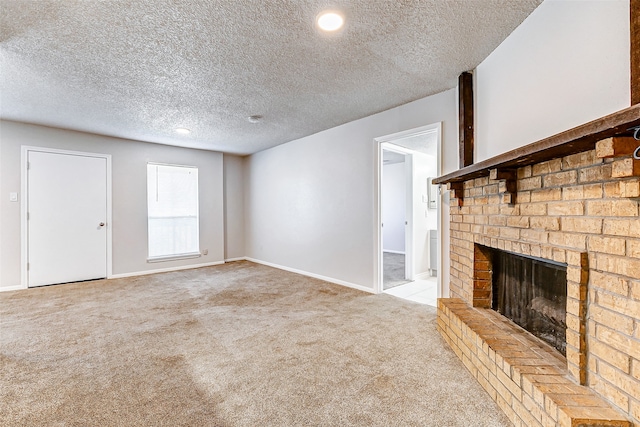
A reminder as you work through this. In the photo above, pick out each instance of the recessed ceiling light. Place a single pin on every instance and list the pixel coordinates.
(255, 118)
(330, 21)
(183, 131)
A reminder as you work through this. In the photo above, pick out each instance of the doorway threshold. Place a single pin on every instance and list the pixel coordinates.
(420, 291)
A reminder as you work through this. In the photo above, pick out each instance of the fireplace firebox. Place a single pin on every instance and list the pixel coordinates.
(532, 292)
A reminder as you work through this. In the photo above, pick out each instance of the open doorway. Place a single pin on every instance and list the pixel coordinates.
(396, 215)
(409, 203)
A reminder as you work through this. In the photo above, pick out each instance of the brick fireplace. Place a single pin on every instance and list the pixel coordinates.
(580, 210)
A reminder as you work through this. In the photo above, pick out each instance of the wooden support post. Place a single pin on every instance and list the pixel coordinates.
(465, 92)
(635, 51)
(457, 188)
(499, 174)
(508, 184)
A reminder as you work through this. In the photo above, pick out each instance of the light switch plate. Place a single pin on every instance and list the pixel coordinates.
(13, 197)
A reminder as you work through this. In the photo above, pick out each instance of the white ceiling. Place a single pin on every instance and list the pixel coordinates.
(138, 69)
(391, 157)
(425, 143)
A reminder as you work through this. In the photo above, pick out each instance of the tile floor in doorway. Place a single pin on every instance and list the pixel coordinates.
(422, 291)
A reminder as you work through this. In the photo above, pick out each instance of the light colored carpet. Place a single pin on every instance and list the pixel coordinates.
(235, 345)
(393, 270)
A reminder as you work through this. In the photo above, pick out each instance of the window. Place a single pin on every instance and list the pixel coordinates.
(172, 210)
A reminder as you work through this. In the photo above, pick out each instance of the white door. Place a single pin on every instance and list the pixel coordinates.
(66, 220)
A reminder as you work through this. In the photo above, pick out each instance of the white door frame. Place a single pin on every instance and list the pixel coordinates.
(24, 207)
(378, 263)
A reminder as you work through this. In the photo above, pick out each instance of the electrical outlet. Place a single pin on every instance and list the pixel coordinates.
(205, 252)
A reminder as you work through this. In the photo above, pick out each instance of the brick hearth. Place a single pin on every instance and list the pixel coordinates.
(528, 379)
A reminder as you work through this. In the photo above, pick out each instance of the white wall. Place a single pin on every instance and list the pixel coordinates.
(394, 207)
(310, 203)
(565, 65)
(129, 223)
(233, 207)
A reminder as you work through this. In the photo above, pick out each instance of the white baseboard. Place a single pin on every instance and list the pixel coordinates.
(393, 252)
(315, 276)
(12, 288)
(257, 261)
(163, 270)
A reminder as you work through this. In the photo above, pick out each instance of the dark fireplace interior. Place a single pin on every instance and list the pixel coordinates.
(532, 292)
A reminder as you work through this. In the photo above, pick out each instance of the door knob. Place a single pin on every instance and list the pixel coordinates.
(102, 224)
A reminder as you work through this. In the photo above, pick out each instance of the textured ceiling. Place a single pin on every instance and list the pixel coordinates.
(138, 69)
(425, 143)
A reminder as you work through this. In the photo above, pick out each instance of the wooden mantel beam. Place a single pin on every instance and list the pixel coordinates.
(572, 141)
(635, 51)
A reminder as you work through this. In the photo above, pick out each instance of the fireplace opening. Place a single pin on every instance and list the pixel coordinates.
(532, 292)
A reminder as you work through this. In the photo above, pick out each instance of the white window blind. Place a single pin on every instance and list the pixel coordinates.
(172, 206)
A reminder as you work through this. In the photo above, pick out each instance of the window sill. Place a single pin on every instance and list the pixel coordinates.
(174, 257)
